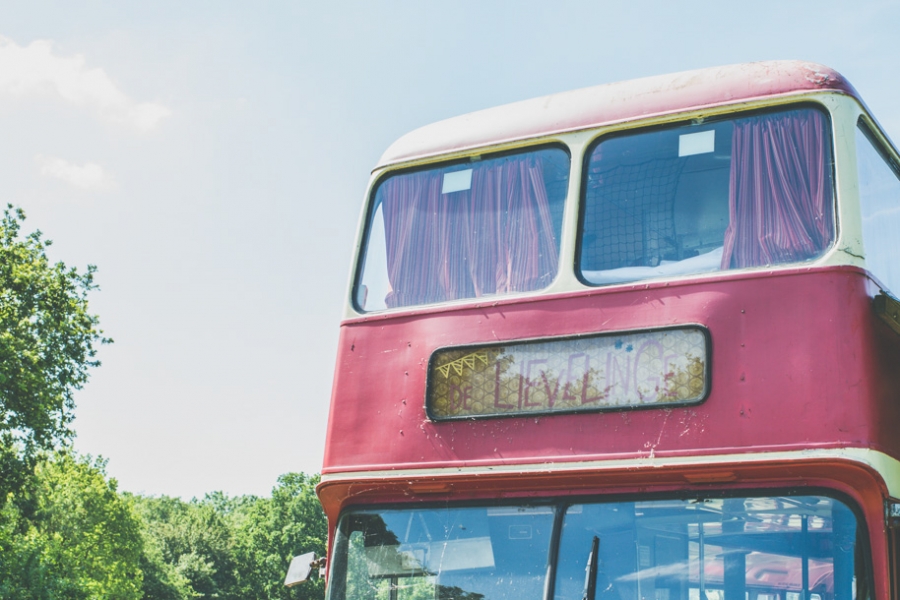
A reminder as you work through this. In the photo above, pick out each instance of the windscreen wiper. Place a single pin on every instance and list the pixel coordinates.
(590, 571)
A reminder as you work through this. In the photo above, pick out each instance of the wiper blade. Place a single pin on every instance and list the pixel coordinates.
(590, 571)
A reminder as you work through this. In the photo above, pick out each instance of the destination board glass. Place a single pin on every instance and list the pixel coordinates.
(661, 367)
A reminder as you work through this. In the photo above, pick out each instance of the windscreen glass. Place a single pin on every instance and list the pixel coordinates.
(443, 554)
(467, 230)
(746, 192)
(790, 548)
(784, 547)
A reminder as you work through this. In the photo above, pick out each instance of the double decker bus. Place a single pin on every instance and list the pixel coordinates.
(635, 342)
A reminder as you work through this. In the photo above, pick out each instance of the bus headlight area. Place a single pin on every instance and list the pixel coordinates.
(633, 342)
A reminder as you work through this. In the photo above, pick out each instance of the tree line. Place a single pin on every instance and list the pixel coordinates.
(66, 531)
(69, 534)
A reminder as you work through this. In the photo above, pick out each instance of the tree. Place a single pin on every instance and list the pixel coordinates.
(47, 345)
(82, 542)
(188, 549)
(232, 548)
(162, 579)
(270, 531)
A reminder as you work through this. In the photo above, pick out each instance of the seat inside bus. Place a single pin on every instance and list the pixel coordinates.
(650, 212)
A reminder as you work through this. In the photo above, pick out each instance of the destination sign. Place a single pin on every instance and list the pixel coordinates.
(661, 367)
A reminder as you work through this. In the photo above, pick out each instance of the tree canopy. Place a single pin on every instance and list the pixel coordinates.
(232, 547)
(70, 535)
(48, 342)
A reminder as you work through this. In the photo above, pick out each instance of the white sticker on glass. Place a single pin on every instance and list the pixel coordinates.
(457, 181)
(696, 143)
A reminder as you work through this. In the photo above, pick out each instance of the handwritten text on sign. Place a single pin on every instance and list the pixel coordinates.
(586, 373)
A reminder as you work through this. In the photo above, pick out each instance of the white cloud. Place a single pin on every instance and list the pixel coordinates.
(36, 69)
(89, 176)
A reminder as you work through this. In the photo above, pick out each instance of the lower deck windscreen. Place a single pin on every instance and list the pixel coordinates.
(784, 547)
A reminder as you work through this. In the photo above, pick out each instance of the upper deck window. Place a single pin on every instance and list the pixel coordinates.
(746, 192)
(879, 198)
(464, 230)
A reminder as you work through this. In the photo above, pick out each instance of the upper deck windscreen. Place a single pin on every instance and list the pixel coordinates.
(751, 191)
(464, 230)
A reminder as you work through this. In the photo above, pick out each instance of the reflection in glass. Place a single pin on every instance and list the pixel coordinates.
(746, 192)
(756, 548)
(495, 553)
(714, 549)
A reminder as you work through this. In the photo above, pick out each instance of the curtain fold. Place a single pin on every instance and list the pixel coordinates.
(496, 237)
(780, 190)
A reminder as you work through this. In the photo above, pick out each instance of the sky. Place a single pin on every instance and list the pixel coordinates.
(211, 159)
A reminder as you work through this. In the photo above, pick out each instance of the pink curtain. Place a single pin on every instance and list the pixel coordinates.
(494, 238)
(780, 199)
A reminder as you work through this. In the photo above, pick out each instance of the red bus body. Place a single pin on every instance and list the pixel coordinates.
(804, 389)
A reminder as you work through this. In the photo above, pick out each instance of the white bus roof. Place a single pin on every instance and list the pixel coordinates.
(612, 103)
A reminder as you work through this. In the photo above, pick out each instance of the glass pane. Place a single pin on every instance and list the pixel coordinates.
(608, 371)
(442, 554)
(696, 198)
(879, 198)
(769, 547)
(483, 228)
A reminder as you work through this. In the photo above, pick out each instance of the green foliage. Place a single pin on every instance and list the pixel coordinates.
(70, 536)
(232, 548)
(23, 574)
(269, 532)
(47, 345)
(81, 542)
(190, 549)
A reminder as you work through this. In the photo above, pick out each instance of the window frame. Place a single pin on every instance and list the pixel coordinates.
(372, 206)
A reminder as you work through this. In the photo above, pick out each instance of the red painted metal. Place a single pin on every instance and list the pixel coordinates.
(860, 484)
(799, 360)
